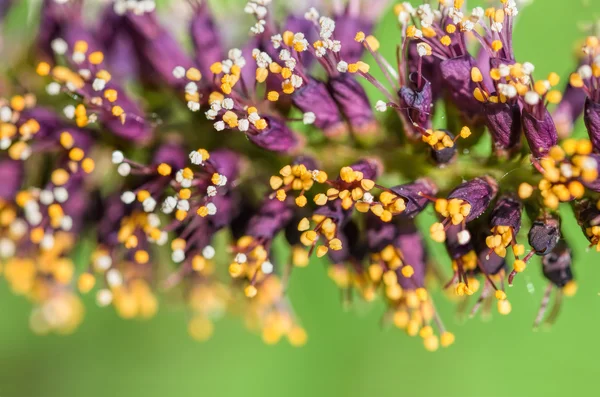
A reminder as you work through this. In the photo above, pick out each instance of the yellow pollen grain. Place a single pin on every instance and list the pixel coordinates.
(273, 96)
(359, 37)
(164, 169)
(59, 177)
(193, 74)
(372, 42)
(446, 40)
(216, 68)
(497, 45)
(96, 58)
(111, 95)
(43, 69)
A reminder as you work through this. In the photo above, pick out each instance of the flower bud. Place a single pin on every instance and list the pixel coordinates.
(456, 74)
(544, 235)
(172, 154)
(504, 123)
(411, 244)
(478, 192)
(418, 101)
(272, 217)
(556, 266)
(507, 212)
(314, 97)
(445, 155)
(354, 104)
(591, 117)
(277, 137)
(541, 134)
(415, 194)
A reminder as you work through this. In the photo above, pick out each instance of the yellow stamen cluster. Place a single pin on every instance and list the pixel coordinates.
(564, 170)
(501, 238)
(455, 209)
(326, 227)
(296, 177)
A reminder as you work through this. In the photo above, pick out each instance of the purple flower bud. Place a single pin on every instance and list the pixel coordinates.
(277, 137)
(540, 133)
(478, 192)
(354, 103)
(314, 97)
(491, 263)
(544, 235)
(226, 163)
(444, 156)
(418, 101)
(333, 209)
(568, 110)
(346, 27)
(11, 175)
(591, 117)
(411, 244)
(556, 266)
(206, 37)
(413, 194)
(456, 74)
(272, 217)
(134, 126)
(504, 123)
(507, 212)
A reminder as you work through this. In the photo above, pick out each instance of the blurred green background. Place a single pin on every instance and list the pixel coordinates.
(348, 352)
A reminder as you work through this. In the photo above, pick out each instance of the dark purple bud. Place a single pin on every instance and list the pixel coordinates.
(540, 133)
(504, 123)
(277, 137)
(205, 36)
(272, 217)
(478, 192)
(354, 104)
(314, 97)
(413, 194)
(157, 48)
(544, 235)
(418, 101)
(444, 156)
(490, 263)
(172, 154)
(568, 110)
(591, 117)
(556, 266)
(380, 234)
(412, 246)
(11, 175)
(456, 74)
(507, 212)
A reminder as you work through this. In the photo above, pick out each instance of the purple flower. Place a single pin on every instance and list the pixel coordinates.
(456, 74)
(504, 123)
(314, 97)
(444, 155)
(544, 235)
(277, 137)
(354, 104)
(205, 37)
(272, 217)
(507, 212)
(591, 117)
(415, 195)
(133, 127)
(540, 133)
(411, 244)
(556, 266)
(11, 175)
(478, 193)
(417, 101)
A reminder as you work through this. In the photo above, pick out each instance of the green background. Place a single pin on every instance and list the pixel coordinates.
(348, 352)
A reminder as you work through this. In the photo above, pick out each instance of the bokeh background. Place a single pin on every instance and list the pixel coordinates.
(349, 352)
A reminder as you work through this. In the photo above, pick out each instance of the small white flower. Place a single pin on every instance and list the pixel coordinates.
(528, 68)
(531, 98)
(178, 256)
(342, 66)
(211, 191)
(69, 111)
(212, 209)
(7, 248)
(78, 57)
(240, 258)
(53, 88)
(266, 267)
(585, 71)
(47, 242)
(193, 106)
(169, 205)
(104, 297)
(243, 125)
(463, 237)
(219, 125)
(183, 205)
(61, 194)
(46, 197)
(195, 157)
(191, 88)
(98, 84)
(114, 278)
(149, 204)
(228, 103)
(66, 223)
(59, 46)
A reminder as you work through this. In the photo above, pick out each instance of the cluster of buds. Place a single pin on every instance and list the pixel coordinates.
(125, 196)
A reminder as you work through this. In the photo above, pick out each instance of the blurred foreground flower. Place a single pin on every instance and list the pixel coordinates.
(138, 170)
